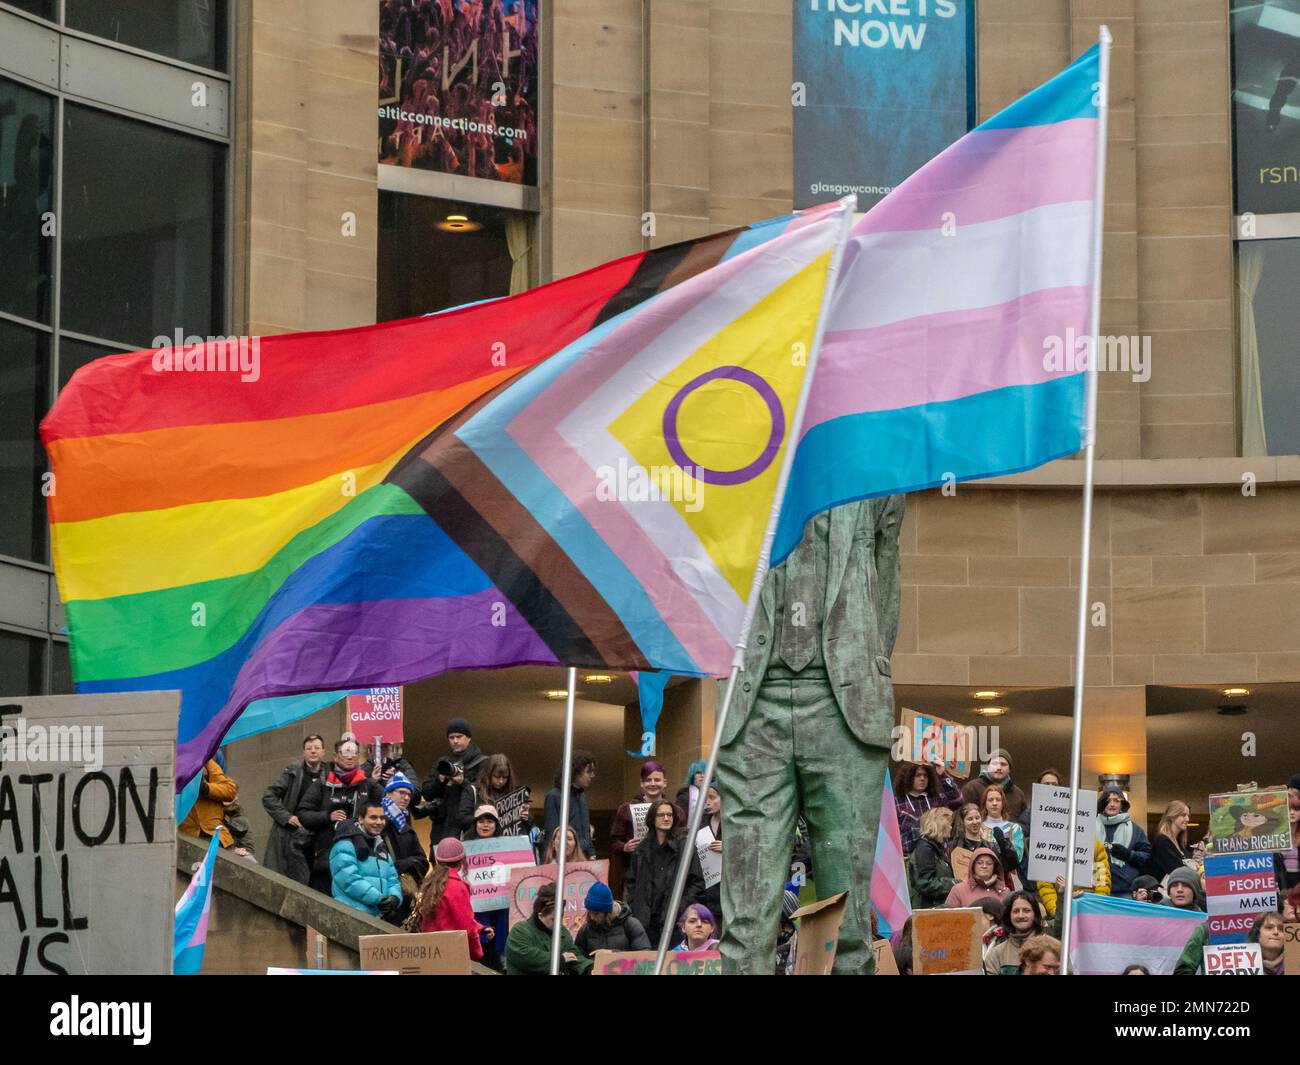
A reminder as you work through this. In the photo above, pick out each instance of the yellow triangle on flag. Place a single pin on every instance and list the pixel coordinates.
(726, 413)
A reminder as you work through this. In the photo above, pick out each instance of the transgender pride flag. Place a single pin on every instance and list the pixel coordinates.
(955, 291)
(191, 930)
(1108, 933)
(890, 896)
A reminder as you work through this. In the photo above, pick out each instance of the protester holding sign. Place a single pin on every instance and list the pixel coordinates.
(610, 925)
(919, 788)
(708, 848)
(528, 949)
(390, 763)
(626, 830)
(1269, 931)
(1127, 846)
(688, 794)
(444, 903)
(1019, 921)
(997, 771)
(984, 880)
(452, 775)
(1051, 778)
(654, 865)
(931, 875)
(970, 833)
(1049, 892)
(496, 786)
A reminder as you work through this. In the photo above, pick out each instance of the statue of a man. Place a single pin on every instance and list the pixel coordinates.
(808, 732)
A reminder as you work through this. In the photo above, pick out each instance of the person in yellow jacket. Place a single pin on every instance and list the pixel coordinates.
(208, 813)
(1047, 891)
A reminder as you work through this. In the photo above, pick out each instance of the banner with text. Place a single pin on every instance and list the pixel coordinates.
(377, 712)
(488, 863)
(1048, 833)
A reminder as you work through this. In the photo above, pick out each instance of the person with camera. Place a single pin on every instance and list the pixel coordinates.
(285, 849)
(362, 872)
(391, 762)
(528, 948)
(445, 786)
(339, 796)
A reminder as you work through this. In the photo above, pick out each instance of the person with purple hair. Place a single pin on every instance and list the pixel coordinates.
(622, 835)
(698, 928)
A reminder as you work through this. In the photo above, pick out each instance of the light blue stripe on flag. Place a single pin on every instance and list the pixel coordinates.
(191, 927)
(1068, 95)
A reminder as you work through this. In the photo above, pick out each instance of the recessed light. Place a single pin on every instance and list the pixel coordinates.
(1236, 693)
(599, 678)
(556, 694)
(458, 223)
(989, 711)
(985, 695)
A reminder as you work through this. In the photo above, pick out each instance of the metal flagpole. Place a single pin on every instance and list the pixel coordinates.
(738, 661)
(1090, 428)
(566, 782)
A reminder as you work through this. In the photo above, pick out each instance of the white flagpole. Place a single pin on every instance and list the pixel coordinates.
(849, 204)
(1090, 428)
(566, 782)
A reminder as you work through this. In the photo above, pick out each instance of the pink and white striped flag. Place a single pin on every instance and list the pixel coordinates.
(890, 895)
(1111, 933)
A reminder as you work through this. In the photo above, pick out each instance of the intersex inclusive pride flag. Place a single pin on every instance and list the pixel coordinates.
(496, 485)
(950, 344)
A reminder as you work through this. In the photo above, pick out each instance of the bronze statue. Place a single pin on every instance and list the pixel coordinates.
(808, 732)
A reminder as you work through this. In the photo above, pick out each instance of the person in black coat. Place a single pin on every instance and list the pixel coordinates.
(444, 790)
(610, 925)
(1169, 849)
(285, 847)
(654, 867)
(339, 796)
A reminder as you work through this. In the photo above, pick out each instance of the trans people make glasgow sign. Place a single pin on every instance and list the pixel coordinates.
(458, 87)
(880, 88)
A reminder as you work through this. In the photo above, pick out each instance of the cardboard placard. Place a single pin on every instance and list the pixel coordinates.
(513, 811)
(934, 738)
(1242, 822)
(1234, 959)
(276, 970)
(578, 878)
(377, 713)
(1291, 950)
(960, 862)
(318, 949)
(947, 941)
(417, 953)
(886, 963)
(710, 860)
(819, 935)
(1048, 831)
(488, 863)
(639, 812)
(642, 963)
(1238, 888)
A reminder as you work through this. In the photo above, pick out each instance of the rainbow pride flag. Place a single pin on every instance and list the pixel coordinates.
(584, 473)
(952, 348)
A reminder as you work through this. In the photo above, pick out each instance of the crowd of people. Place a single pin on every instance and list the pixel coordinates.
(966, 845)
(346, 828)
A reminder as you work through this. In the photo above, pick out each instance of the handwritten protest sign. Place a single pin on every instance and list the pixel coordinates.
(947, 941)
(578, 878)
(819, 935)
(1291, 949)
(639, 812)
(488, 863)
(642, 963)
(417, 953)
(1238, 888)
(886, 963)
(710, 860)
(959, 859)
(513, 811)
(1048, 832)
(1235, 959)
(934, 739)
(377, 713)
(1245, 821)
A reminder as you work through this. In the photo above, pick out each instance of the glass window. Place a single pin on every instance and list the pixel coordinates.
(26, 176)
(190, 30)
(429, 259)
(74, 354)
(1270, 346)
(24, 391)
(60, 669)
(165, 247)
(22, 664)
(43, 8)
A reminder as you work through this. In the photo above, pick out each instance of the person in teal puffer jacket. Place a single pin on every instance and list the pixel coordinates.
(363, 873)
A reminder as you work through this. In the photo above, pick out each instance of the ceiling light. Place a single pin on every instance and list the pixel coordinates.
(458, 223)
(1236, 693)
(556, 694)
(599, 678)
(989, 711)
(989, 694)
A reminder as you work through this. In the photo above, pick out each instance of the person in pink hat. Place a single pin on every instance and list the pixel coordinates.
(444, 898)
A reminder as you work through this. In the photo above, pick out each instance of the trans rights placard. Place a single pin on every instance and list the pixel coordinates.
(880, 88)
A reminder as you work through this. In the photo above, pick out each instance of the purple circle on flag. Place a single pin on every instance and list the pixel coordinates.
(745, 473)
